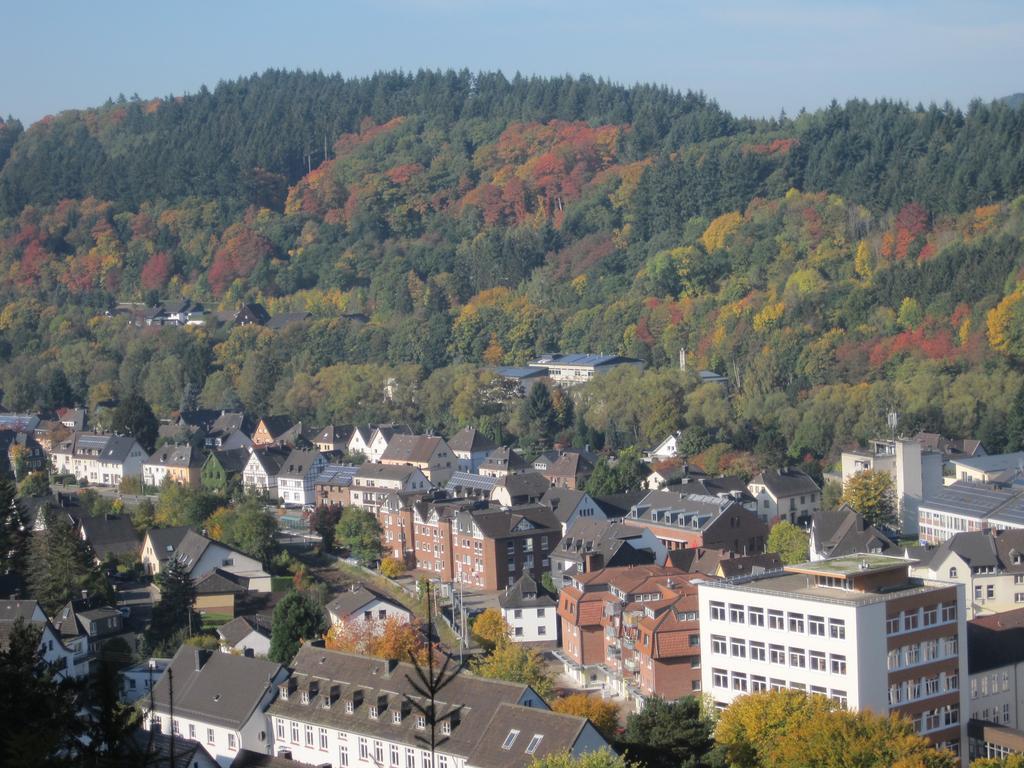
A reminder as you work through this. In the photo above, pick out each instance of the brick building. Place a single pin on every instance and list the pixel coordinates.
(687, 520)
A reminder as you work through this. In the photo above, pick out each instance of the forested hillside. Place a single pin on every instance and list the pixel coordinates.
(833, 264)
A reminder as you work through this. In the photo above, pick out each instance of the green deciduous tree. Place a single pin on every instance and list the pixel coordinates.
(871, 493)
(246, 526)
(173, 615)
(296, 618)
(669, 734)
(360, 532)
(626, 474)
(511, 661)
(601, 758)
(790, 542)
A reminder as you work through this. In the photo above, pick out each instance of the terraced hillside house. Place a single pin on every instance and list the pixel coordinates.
(201, 556)
(223, 469)
(787, 494)
(297, 477)
(71, 659)
(470, 448)
(858, 629)
(685, 521)
(98, 459)
(262, 468)
(343, 710)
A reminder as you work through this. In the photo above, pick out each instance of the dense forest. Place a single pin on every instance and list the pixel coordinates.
(833, 264)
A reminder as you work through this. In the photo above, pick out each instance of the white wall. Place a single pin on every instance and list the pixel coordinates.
(536, 624)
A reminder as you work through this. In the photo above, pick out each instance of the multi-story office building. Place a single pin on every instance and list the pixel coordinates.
(858, 629)
(968, 506)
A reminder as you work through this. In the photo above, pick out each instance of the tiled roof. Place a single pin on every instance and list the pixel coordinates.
(417, 449)
(471, 440)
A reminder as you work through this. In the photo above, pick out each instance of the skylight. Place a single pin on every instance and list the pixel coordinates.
(510, 739)
(534, 743)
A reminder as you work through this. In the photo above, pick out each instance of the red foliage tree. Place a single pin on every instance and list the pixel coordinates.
(156, 271)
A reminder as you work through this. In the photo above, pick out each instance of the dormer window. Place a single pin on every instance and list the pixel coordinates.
(349, 707)
(446, 726)
(510, 739)
(374, 711)
(396, 717)
(534, 743)
(421, 722)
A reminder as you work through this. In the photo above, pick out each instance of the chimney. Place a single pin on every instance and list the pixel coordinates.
(85, 594)
(201, 657)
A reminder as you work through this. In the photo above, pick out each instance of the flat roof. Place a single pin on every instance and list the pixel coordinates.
(977, 500)
(851, 565)
(800, 586)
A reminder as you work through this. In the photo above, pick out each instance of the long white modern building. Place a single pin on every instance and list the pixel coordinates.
(857, 629)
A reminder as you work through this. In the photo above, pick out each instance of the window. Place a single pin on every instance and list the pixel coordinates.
(838, 696)
(838, 664)
(517, 613)
(816, 625)
(777, 685)
(394, 756)
(309, 735)
(739, 682)
(837, 629)
(542, 630)
(396, 716)
(421, 722)
(948, 612)
(231, 742)
(374, 712)
(756, 617)
(192, 730)
(323, 739)
(719, 678)
(931, 616)
(534, 743)
(349, 707)
(718, 645)
(739, 648)
(797, 658)
(758, 683)
(990, 592)
(410, 758)
(446, 726)
(718, 611)
(952, 573)
(796, 622)
(425, 760)
(280, 730)
(378, 752)
(510, 739)
(343, 756)
(295, 733)
(737, 614)
(364, 748)
(892, 625)
(776, 654)
(775, 620)
(442, 761)
(757, 651)
(209, 735)
(817, 661)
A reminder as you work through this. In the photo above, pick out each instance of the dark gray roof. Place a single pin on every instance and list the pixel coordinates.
(233, 460)
(385, 472)
(278, 425)
(619, 504)
(504, 458)
(299, 462)
(525, 594)
(562, 501)
(522, 520)
(175, 456)
(334, 433)
(227, 422)
(236, 630)
(610, 539)
(249, 759)
(733, 567)
(166, 540)
(153, 750)
(347, 603)
(996, 640)
(978, 501)
(525, 486)
(110, 534)
(471, 440)
(12, 610)
(844, 532)
(411, 448)
(218, 688)
(218, 582)
(271, 459)
(787, 481)
(990, 548)
(477, 702)
(191, 548)
(557, 732)
(468, 481)
(688, 511)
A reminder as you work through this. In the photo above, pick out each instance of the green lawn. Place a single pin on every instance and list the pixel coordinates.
(214, 620)
(280, 583)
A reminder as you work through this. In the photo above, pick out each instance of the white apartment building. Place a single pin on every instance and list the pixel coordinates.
(297, 477)
(349, 711)
(98, 459)
(857, 629)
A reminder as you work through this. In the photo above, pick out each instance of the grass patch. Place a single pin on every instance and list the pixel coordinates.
(213, 620)
(281, 583)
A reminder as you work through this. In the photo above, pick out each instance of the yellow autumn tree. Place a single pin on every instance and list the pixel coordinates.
(769, 316)
(604, 714)
(862, 261)
(719, 229)
(1006, 324)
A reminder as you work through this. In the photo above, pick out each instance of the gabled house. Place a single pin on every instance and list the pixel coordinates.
(591, 544)
(201, 556)
(261, 471)
(523, 488)
(470, 448)
(364, 605)
(251, 314)
(98, 459)
(23, 453)
(229, 431)
(359, 441)
(333, 438)
(570, 470)
(217, 593)
(223, 469)
(530, 612)
(721, 563)
(787, 493)
(297, 475)
(219, 700)
(276, 430)
(333, 485)
(502, 462)
(109, 535)
(381, 438)
(180, 464)
(844, 532)
(87, 623)
(65, 661)
(245, 635)
(427, 453)
(570, 506)
(666, 449)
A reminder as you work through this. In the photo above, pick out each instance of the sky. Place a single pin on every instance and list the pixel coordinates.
(754, 58)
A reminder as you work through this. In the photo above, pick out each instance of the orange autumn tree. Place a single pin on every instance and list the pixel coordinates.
(391, 638)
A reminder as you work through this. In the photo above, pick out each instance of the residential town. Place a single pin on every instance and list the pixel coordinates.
(682, 585)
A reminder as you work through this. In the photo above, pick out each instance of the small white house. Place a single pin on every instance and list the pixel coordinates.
(138, 679)
(297, 477)
(261, 471)
(529, 612)
(245, 636)
(365, 605)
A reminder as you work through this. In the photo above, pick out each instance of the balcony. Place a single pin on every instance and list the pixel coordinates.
(613, 652)
(628, 642)
(632, 664)
(612, 609)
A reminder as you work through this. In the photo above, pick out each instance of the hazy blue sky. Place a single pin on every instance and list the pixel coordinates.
(753, 57)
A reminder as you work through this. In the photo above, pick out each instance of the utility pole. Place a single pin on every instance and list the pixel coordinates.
(170, 707)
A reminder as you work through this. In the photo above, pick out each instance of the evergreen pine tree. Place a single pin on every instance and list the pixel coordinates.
(62, 565)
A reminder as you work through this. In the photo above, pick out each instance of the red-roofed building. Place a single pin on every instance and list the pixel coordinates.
(633, 630)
